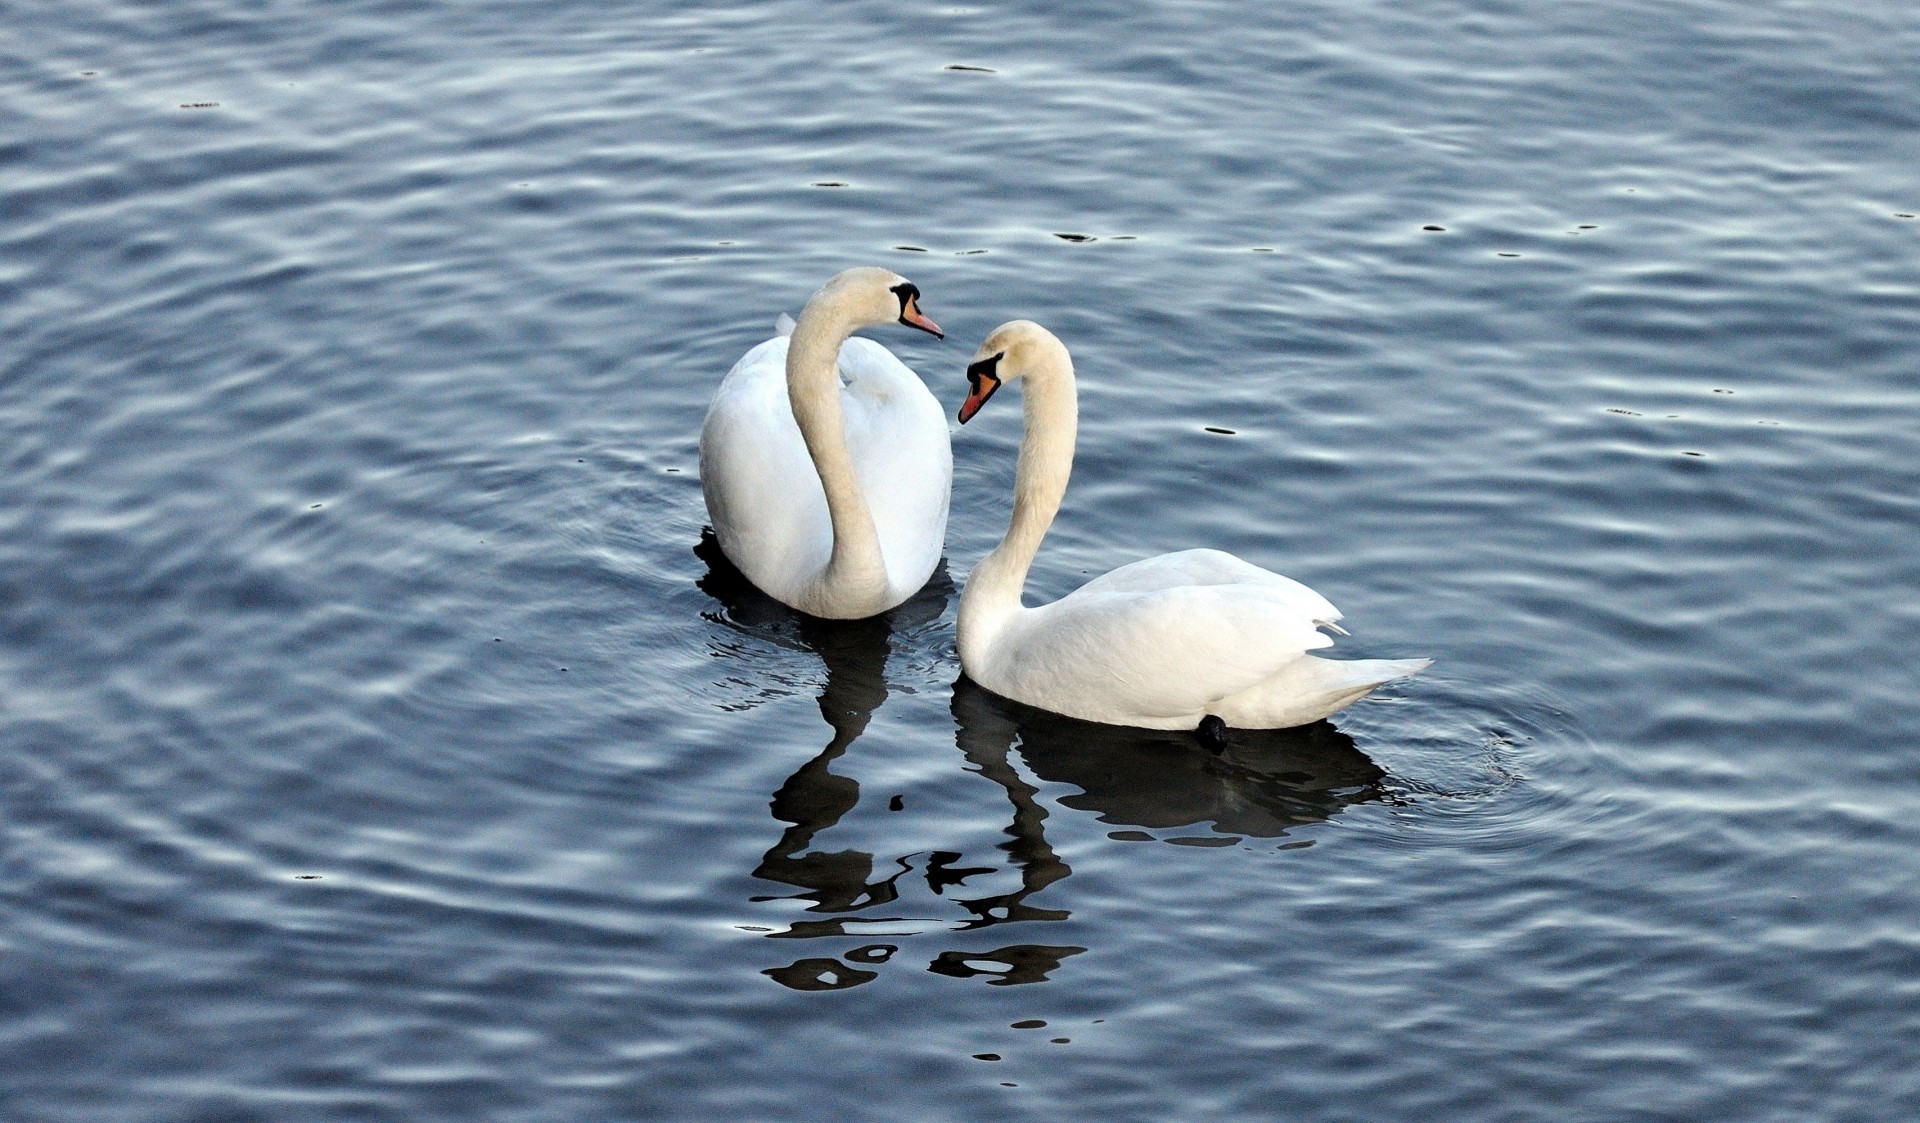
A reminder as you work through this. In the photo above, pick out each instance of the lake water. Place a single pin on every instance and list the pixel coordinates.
(379, 742)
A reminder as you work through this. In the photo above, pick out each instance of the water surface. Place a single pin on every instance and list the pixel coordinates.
(378, 740)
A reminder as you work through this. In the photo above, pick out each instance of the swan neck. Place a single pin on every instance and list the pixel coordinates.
(856, 568)
(992, 595)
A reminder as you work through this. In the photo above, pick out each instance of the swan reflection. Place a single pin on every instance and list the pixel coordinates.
(1264, 785)
(815, 798)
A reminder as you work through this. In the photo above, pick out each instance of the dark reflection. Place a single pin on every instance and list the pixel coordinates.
(985, 736)
(819, 973)
(1008, 966)
(1265, 784)
(814, 799)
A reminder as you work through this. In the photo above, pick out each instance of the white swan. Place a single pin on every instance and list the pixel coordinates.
(1192, 640)
(831, 497)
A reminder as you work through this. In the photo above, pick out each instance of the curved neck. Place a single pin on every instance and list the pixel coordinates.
(992, 595)
(856, 567)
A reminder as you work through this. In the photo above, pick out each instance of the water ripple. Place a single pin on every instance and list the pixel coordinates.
(381, 739)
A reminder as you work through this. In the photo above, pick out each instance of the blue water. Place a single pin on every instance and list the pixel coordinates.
(379, 742)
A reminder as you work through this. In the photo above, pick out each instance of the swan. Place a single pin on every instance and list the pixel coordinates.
(1197, 639)
(830, 495)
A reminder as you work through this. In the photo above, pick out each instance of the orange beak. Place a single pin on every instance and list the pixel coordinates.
(981, 383)
(911, 316)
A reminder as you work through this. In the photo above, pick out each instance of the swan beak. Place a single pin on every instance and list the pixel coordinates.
(911, 316)
(981, 382)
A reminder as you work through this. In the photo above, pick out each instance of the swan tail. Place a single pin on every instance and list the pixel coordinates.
(1311, 688)
(783, 326)
(1342, 682)
(1378, 672)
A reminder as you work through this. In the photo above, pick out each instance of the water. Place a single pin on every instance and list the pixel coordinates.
(378, 742)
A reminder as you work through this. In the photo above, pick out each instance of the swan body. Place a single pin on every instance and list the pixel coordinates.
(825, 461)
(1164, 643)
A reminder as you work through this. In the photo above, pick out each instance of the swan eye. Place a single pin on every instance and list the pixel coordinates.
(988, 367)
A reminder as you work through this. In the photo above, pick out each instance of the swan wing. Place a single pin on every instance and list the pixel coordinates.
(763, 493)
(1154, 657)
(1210, 567)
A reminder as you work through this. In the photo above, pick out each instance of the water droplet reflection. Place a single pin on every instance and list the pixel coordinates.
(819, 973)
(1005, 967)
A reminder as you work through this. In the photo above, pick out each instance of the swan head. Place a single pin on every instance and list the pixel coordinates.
(870, 296)
(1012, 350)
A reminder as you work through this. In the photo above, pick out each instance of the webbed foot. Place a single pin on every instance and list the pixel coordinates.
(1212, 733)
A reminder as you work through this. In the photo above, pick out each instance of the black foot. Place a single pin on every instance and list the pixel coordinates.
(1212, 733)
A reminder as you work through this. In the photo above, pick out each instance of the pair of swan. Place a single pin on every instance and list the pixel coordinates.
(831, 496)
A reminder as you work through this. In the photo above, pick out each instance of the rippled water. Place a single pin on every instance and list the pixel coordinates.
(378, 739)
